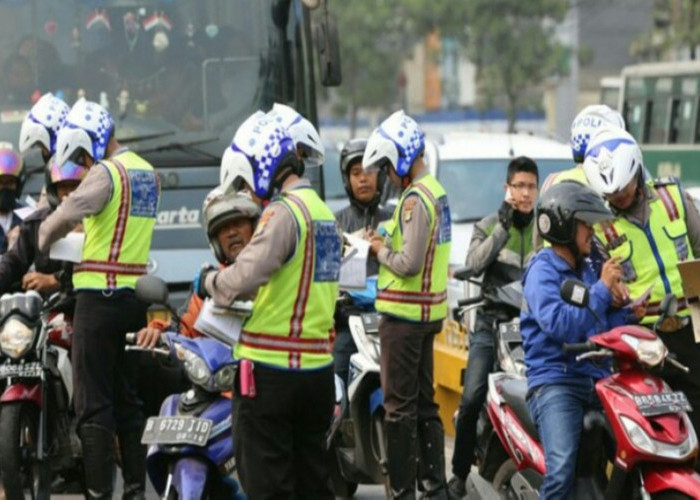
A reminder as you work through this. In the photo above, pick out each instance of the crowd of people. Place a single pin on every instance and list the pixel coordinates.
(279, 245)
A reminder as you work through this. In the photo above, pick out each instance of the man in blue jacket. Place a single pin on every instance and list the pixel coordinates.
(560, 389)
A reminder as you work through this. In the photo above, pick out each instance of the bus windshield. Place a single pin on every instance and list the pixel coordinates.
(177, 75)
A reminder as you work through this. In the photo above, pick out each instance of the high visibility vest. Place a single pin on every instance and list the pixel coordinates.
(422, 297)
(293, 312)
(117, 239)
(649, 255)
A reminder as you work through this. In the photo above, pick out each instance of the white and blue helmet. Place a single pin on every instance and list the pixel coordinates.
(613, 160)
(42, 123)
(259, 149)
(587, 122)
(398, 140)
(304, 134)
(88, 126)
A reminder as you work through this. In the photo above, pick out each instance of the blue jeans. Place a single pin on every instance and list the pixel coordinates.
(557, 409)
(476, 376)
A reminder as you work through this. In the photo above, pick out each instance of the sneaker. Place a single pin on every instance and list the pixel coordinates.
(456, 488)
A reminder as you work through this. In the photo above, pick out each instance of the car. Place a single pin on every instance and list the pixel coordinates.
(472, 168)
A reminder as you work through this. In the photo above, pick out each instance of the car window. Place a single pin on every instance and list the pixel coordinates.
(475, 187)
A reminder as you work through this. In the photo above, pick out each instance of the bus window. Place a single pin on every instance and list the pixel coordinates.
(681, 123)
(635, 114)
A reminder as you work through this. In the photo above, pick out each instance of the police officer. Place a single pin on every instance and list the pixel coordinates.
(656, 227)
(412, 298)
(117, 203)
(284, 392)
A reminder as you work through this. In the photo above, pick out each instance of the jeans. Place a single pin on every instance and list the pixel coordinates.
(557, 409)
(480, 364)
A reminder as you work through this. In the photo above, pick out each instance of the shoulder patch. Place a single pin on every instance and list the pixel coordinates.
(666, 180)
(407, 208)
(264, 218)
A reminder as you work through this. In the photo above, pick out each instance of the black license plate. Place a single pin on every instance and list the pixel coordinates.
(177, 430)
(27, 370)
(663, 403)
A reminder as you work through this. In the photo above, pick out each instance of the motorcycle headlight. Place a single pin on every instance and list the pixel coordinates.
(641, 440)
(16, 338)
(649, 352)
(195, 367)
(223, 379)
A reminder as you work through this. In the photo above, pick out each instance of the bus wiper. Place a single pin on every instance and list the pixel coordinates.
(145, 137)
(187, 147)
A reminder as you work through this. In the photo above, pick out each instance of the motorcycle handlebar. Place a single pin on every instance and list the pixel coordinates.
(468, 302)
(131, 338)
(579, 347)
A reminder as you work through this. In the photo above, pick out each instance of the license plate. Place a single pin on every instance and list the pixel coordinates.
(20, 370)
(660, 404)
(177, 430)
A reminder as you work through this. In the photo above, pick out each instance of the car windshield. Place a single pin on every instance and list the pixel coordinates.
(475, 187)
(178, 76)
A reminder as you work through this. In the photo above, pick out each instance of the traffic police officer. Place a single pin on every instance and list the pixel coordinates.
(412, 298)
(656, 227)
(284, 392)
(117, 203)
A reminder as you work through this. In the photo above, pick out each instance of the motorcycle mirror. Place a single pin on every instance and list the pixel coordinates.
(668, 307)
(152, 290)
(575, 292)
(461, 274)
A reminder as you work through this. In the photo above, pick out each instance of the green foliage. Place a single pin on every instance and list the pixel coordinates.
(676, 24)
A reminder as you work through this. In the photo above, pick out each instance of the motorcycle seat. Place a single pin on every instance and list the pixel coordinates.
(514, 392)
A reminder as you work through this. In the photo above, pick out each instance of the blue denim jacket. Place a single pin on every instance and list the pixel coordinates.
(547, 322)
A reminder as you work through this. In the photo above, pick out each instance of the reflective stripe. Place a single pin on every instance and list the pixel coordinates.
(276, 343)
(412, 297)
(428, 264)
(305, 281)
(120, 226)
(670, 206)
(110, 267)
(609, 232)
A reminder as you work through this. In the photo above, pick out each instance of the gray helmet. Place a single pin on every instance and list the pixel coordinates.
(562, 205)
(219, 207)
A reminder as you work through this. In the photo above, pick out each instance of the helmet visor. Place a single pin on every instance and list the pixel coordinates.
(593, 217)
(69, 171)
(10, 163)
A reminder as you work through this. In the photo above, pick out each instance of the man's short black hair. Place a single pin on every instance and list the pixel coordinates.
(522, 164)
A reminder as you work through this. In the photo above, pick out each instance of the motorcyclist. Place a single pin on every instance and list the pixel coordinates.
(11, 180)
(364, 190)
(48, 275)
(656, 226)
(500, 247)
(560, 389)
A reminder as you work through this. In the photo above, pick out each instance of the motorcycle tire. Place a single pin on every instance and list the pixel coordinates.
(670, 495)
(19, 423)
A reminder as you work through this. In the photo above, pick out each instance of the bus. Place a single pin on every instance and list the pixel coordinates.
(610, 91)
(660, 104)
(178, 76)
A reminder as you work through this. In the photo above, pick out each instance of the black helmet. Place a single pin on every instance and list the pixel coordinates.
(562, 205)
(352, 151)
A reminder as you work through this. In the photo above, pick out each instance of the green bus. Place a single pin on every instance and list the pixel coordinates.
(660, 104)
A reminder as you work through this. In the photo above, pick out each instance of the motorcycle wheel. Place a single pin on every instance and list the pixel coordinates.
(501, 480)
(670, 495)
(19, 425)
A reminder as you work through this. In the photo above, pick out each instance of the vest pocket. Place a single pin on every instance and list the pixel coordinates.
(624, 254)
(677, 232)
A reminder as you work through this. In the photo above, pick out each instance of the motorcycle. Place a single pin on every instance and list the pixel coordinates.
(356, 439)
(655, 444)
(190, 445)
(39, 449)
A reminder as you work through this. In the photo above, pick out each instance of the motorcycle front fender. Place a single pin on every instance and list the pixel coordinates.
(190, 477)
(670, 478)
(23, 392)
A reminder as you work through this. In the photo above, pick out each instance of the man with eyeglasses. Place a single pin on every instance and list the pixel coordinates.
(500, 247)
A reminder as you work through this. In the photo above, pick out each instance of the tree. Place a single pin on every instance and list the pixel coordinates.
(512, 44)
(676, 24)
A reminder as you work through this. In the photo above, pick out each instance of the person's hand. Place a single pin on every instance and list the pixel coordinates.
(640, 310)
(40, 282)
(505, 215)
(79, 228)
(611, 274)
(620, 294)
(201, 278)
(148, 338)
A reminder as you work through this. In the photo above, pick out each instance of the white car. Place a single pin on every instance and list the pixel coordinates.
(472, 168)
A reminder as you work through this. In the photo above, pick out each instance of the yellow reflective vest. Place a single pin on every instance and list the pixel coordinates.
(293, 312)
(423, 297)
(118, 239)
(649, 255)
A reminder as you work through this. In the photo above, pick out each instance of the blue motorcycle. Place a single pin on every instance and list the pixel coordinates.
(190, 444)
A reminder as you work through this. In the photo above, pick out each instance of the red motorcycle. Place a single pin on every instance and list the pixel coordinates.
(655, 446)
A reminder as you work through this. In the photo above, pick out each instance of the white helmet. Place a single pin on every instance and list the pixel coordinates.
(235, 166)
(304, 134)
(398, 140)
(585, 124)
(88, 126)
(221, 206)
(42, 123)
(613, 160)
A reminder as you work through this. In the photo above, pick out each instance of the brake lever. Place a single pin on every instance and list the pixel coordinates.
(600, 353)
(678, 365)
(156, 350)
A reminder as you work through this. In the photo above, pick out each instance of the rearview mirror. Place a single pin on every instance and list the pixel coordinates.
(575, 292)
(152, 290)
(326, 32)
(668, 307)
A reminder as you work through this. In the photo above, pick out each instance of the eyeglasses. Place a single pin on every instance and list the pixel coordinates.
(523, 186)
